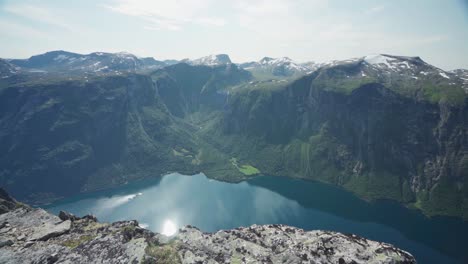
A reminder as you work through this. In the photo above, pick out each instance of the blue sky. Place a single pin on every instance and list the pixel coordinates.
(304, 30)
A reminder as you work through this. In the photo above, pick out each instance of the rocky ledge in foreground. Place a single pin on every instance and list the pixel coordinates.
(29, 235)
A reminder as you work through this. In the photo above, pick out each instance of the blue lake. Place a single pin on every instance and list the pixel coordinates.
(212, 205)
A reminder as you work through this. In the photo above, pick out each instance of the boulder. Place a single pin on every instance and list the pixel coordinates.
(5, 242)
(67, 216)
(49, 230)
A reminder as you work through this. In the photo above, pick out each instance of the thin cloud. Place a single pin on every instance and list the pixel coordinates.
(38, 14)
(375, 9)
(168, 15)
(276, 19)
(19, 30)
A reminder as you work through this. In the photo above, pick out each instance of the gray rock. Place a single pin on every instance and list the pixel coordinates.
(90, 217)
(49, 230)
(7, 203)
(67, 216)
(51, 240)
(284, 244)
(28, 244)
(6, 242)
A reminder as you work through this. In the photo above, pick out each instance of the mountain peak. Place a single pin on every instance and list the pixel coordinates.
(212, 60)
(409, 68)
(269, 60)
(282, 66)
(392, 61)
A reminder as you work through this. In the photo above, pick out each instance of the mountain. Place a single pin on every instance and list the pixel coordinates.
(462, 74)
(62, 136)
(7, 69)
(382, 126)
(32, 235)
(211, 60)
(279, 67)
(97, 62)
(186, 89)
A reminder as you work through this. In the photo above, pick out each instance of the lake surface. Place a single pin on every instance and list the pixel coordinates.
(164, 203)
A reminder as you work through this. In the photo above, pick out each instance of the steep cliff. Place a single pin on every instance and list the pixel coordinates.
(187, 89)
(62, 137)
(354, 126)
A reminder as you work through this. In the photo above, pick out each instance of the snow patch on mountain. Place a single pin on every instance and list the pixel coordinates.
(283, 62)
(443, 74)
(61, 57)
(97, 62)
(391, 63)
(281, 67)
(462, 74)
(211, 60)
(412, 67)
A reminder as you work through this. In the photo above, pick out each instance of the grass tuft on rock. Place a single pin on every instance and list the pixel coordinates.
(165, 254)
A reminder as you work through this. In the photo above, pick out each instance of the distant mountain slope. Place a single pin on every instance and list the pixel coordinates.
(462, 74)
(210, 60)
(186, 89)
(279, 67)
(7, 69)
(409, 76)
(97, 62)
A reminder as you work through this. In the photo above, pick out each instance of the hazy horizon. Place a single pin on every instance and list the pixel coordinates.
(317, 30)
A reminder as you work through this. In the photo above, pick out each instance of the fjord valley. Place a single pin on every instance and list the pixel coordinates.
(391, 130)
(381, 126)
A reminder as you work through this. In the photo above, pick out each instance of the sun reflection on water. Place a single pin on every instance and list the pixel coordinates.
(169, 228)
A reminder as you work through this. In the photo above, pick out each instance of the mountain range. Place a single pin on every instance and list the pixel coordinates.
(381, 126)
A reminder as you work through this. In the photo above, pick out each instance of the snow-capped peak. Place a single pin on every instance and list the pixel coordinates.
(393, 63)
(403, 65)
(212, 60)
(273, 61)
(378, 60)
(283, 66)
(124, 54)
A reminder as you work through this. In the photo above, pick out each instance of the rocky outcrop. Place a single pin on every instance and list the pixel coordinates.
(34, 236)
(7, 203)
(283, 244)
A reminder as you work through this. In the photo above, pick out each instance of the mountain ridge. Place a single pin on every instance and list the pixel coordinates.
(290, 67)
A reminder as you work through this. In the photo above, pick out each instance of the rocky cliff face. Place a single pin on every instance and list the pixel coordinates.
(62, 137)
(378, 139)
(65, 135)
(34, 236)
(186, 89)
